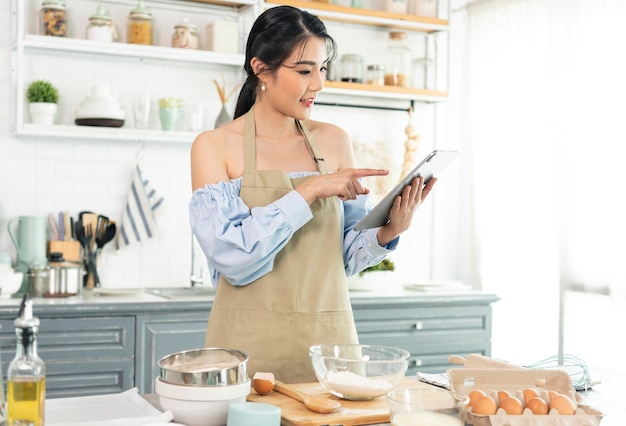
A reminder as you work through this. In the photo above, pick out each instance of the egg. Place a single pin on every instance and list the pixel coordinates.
(474, 396)
(537, 405)
(563, 404)
(502, 395)
(263, 383)
(485, 406)
(512, 405)
(530, 393)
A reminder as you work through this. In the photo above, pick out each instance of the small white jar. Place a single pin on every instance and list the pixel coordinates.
(100, 26)
(396, 6)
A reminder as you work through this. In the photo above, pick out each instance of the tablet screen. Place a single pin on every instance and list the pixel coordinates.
(430, 166)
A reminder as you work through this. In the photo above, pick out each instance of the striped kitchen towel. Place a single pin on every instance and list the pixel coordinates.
(138, 223)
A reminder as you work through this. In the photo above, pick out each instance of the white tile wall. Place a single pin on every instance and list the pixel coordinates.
(41, 175)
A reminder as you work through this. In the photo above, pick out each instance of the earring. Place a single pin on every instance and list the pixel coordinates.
(263, 87)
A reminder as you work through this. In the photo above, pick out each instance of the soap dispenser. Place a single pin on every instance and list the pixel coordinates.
(26, 375)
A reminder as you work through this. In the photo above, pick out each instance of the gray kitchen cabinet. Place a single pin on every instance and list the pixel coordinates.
(92, 346)
(161, 335)
(430, 328)
(83, 355)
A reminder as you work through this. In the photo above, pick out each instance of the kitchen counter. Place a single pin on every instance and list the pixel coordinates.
(108, 340)
(607, 396)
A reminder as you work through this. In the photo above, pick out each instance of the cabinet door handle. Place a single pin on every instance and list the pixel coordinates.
(419, 325)
(417, 362)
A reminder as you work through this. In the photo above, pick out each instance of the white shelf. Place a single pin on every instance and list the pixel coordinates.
(37, 42)
(106, 133)
(370, 17)
(25, 44)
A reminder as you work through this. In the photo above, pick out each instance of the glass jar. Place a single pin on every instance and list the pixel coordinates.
(185, 35)
(100, 26)
(140, 25)
(397, 60)
(396, 6)
(424, 74)
(376, 75)
(53, 18)
(352, 68)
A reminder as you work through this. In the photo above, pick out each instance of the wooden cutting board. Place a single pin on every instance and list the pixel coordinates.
(294, 413)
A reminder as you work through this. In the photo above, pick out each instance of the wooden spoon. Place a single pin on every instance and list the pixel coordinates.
(314, 403)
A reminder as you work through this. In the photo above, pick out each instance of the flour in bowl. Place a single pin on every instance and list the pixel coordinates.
(353, 385)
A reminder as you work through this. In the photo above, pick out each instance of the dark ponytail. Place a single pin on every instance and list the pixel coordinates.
(273, 36)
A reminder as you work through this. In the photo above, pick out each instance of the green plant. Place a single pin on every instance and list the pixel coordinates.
(42, 91)
(385, 265)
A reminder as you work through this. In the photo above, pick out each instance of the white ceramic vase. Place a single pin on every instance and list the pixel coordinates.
(42, 112)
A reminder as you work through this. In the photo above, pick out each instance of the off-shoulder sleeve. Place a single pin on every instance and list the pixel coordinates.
(239, 243)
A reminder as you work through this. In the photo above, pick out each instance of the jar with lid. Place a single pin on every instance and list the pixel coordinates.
(397, 60)
(100, 26)
(376, 75)
(185, 35)
(140, 25)
(53, 18)
(352, 68)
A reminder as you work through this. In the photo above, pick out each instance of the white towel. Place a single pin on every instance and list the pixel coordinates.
(138, 222)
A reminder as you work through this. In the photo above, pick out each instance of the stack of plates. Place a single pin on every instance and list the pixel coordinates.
(100, 109)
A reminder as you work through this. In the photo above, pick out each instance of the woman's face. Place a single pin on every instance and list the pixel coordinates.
(295, 84)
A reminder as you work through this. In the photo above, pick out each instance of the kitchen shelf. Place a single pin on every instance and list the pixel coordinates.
(106, 133)
(46, 43)
(356, 15)
(383, 92)
(26, 44)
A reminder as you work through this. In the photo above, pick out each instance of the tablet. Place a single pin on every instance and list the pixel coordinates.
(434, 163)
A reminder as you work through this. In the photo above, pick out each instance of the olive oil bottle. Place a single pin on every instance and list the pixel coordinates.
(26, 375)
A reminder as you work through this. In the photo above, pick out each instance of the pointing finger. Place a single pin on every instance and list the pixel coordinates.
(359, 173)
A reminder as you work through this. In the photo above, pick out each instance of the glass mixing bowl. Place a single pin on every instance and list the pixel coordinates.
(359, 372)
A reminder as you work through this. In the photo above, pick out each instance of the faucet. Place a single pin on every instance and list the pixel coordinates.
(196, 276)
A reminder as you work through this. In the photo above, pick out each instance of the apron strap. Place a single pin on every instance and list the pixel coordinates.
(317, 156)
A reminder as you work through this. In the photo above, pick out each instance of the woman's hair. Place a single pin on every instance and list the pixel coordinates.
(273, 37)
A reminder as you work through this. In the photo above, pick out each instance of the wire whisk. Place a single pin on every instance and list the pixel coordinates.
(575, 367)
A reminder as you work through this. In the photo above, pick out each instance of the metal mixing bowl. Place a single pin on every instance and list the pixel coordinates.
(205, 367)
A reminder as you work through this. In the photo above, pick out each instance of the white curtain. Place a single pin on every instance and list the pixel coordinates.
(539, 88)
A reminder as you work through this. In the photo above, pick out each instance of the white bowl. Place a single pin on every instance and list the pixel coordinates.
(10, 283)
(200, 406)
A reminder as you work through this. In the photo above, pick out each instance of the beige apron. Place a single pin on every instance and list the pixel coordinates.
(304, 301)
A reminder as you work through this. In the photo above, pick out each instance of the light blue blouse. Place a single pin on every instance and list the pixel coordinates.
(241, 244)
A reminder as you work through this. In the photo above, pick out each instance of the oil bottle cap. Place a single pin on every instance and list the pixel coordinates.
(25, 318)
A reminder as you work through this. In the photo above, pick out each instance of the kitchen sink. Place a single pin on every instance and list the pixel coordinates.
(183, 292)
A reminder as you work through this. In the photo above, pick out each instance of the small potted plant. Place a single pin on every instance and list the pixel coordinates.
(42, 97)
(372, 278)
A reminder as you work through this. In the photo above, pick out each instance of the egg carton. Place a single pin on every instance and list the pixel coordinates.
(492, 380)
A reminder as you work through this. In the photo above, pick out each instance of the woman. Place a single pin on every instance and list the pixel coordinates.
(275, 198)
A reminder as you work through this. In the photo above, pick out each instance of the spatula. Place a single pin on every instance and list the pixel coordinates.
(314, 403)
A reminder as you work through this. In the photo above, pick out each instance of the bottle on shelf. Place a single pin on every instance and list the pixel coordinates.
(425, 8)
(26, 374)
(101, 26)
(376, 74)
(140, 25)
(423, 73)
(352, 68)
(53, 17)
(397, 60)
(185, 35)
